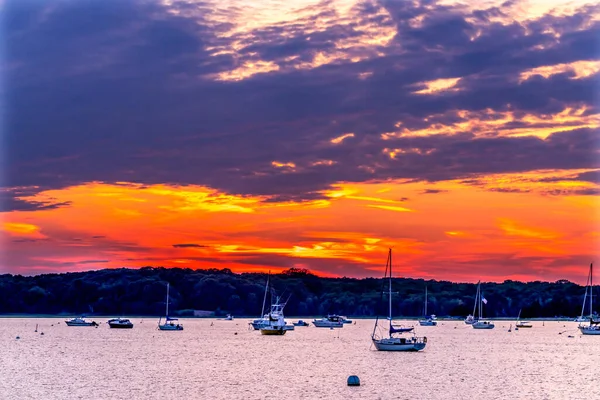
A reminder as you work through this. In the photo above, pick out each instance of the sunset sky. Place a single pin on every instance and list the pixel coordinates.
(261, 135)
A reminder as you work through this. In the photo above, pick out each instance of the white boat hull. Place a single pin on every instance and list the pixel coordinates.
(398, 344)
(428, 323)
(169, 327)
(483, 325)
(587, 330)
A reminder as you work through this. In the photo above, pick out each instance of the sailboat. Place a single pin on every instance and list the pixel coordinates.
(594, 326)
(479, 323)
(522, 324)
(170, 324)
(391, 342)
(470, 320)
(428, 321)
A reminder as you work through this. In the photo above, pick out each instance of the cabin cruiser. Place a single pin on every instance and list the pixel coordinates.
(80, 321)
(120, 323)
(331, 321)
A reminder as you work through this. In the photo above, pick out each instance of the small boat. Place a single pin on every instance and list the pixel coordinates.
(427, 321)
(522, 324)
(331, 321)
(470, 319)
(80, 321)
(120, 323)
(480, 300)
(301, 323)
(169, 324)
(391, 342)
(229, 317)
(594, 325)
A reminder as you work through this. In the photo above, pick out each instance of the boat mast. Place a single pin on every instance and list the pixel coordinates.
(262, 313)
(476, 297)
(387, 263)
(587, 283)
(480, 303)
(425, 300)
(390, 290)
(591, 291)
(167, 311)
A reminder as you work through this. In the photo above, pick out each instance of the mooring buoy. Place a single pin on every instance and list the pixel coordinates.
(353, 380)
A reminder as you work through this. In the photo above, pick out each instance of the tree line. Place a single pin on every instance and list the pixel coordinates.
(143, 292)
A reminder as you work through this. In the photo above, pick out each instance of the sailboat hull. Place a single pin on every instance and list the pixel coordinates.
(168, 327)
(483, 325)
(398, 344)
(586, 330)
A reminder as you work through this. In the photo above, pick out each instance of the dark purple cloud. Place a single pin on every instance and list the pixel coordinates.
(126, 91)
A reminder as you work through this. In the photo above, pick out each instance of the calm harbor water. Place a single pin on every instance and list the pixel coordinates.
(227, 361)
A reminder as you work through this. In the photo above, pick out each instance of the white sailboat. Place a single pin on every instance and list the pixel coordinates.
(594, 325)
(470, 320)
(169, 324)
(522, 324)
(480, 300)
(391, 342)
(427, 321)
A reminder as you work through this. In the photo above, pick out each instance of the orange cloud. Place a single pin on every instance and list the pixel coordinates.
(579, 69)
(439, 85)
(347, 234)
(21, 229)
(341, 138)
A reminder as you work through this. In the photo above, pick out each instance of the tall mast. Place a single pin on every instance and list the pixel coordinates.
(476, 297)
(390, 289)
(480, 303)
(425, 300)
(587, 284)
(262, 313)
(167, 312)
(591, 290)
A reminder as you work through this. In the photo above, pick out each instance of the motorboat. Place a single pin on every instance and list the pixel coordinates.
(80, 321)
(276, 322)
(301, 323)
(331, 321)
(392, 342)
(120, 323)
